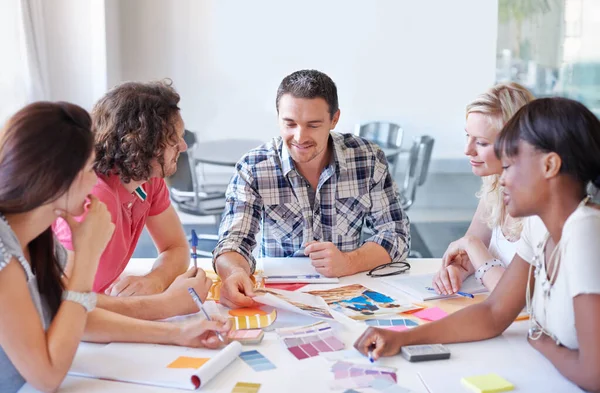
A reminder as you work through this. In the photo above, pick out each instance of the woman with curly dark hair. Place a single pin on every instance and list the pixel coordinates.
(138, 133)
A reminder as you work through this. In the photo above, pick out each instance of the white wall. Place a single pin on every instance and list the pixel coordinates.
(75, 34)
(414, 62)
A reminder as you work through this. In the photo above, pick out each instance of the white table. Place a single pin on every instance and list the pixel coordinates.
(507, 354)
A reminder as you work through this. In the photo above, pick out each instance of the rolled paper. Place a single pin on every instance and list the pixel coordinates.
(216, 364)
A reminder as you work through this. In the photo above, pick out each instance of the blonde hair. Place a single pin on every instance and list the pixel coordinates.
(499, 104)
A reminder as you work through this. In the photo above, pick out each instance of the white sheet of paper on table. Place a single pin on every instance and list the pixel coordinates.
(292, 270)
(293, 301)
(416, 286)
(146, 364)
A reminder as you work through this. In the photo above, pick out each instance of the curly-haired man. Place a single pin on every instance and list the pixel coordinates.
(138, 137)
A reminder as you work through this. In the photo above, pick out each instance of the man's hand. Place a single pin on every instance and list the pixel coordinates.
(135, 286)
(328, 260)
(177, 295)
(237, 290)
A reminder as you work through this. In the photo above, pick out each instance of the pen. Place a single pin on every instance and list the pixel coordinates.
(371, 348)
(299, 276)
(198, 302)
(464, 294)
(194, 245)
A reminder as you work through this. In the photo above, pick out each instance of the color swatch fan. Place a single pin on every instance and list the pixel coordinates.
(251, 318)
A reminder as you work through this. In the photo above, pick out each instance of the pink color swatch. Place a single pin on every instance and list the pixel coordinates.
(431, 314)
(241, 334)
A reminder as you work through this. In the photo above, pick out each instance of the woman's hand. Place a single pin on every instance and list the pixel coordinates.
(203, 333)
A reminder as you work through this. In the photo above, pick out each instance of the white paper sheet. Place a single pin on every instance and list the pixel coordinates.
(292, 270)
(298, 302)
(416, 286)
(146, 364)
(525, 377)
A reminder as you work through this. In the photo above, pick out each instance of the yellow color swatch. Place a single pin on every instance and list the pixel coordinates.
(254, 321)
(246, 387)
(188, 362)
(488, 383)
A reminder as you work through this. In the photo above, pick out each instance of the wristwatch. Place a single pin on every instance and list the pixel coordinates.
(86, 299)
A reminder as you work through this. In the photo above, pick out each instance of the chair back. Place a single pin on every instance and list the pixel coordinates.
(418, 166)
(185, 176)
(385, 134)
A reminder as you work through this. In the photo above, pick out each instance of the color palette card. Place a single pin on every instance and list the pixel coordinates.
(391, 322)
(342, 370)
(386, 386)
(246, 387)
(257, 361)
(431, 314)
(347, 354)
(308, 341)
(488, 383)
(355, 376)
(247, 337)
(253, 319)
(318, 327)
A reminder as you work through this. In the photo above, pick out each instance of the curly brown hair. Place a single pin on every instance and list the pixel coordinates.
(133, 124)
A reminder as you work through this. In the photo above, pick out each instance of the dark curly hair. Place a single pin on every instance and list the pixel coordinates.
(133, 124)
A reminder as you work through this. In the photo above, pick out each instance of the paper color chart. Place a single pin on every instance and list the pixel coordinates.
(391, 322)
(246, 387)
(309, 346)
(249, 337)
(257, 361)
(308, 341)
(253, 321)
(350, 376)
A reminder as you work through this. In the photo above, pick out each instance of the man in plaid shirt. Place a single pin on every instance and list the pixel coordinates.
(312, 191)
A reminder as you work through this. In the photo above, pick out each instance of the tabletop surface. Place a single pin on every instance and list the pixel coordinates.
(508, 355)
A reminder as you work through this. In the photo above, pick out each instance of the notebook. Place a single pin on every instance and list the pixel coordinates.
(416, 286)
(152, 364)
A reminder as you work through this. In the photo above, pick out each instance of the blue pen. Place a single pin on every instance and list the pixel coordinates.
(194, 245)
(370, 354)
(198, 302)
(299, 276)
(464, 294)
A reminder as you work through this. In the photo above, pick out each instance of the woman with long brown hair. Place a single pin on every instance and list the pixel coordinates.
(46, 170)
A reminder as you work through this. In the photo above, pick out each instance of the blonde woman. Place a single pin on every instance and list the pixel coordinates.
(490, 242)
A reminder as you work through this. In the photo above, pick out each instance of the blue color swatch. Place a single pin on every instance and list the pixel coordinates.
(391, 322)
(257, 361)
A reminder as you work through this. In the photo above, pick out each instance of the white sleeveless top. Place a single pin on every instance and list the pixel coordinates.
(501, 248)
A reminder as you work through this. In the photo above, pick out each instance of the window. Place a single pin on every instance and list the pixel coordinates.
(12, 79)
(551, 47)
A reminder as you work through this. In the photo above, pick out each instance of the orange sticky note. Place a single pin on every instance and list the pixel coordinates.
(188, 362)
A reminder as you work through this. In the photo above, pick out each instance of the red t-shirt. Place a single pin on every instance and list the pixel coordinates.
(129, 214)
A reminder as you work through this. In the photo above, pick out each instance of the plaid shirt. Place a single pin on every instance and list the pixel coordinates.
(354, 190)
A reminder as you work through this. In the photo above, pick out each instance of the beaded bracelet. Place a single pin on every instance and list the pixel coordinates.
(485, 267)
